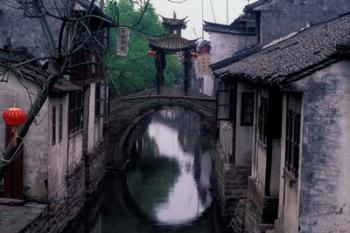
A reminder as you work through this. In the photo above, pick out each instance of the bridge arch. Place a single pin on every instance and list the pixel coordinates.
(126, 113)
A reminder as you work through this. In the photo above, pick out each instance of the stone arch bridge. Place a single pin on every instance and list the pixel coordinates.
(128, 111)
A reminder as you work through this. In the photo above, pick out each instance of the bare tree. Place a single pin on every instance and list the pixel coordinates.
(74, 35)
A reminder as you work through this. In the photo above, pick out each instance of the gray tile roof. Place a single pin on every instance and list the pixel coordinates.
(172, 42)
(295, 57)
(31, 71)
(257, 4)
(243, 25)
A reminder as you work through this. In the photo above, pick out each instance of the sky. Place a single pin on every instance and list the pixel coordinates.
(193, 9)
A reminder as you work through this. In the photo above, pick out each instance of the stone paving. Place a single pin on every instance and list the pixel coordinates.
(17, 216)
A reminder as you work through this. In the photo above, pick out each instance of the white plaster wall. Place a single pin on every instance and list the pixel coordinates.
(288, 208)
(98, 131)
(58, 153)
(95, 124)
(225, 45)
(261, 167)
(91, 118)
(244, 133)
(75, 150)
(226, 139)
(208, 85)
(208, 79)
(35, 170)
(259, 150)
(325, 160)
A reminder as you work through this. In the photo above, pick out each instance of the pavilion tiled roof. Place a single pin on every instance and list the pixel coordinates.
(295, 57)
(172, 42)
(174, 21)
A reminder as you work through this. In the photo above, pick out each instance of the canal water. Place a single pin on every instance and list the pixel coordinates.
(167, 186)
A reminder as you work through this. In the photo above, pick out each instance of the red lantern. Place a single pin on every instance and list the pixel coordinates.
(152, 53)
(14, 117)
(194, 55)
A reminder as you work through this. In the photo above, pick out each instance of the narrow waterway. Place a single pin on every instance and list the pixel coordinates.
(167, 186)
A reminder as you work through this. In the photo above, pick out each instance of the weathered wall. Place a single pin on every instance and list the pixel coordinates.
(61, 213)
(75, 151)
(209, 85)
(325, 164)
(95, 168)
(95, 156)
(225, 45)
(260, 180)
(288, 207)
(226, 140)
(95, 123)
(58, 154)
(282, 17)
(244, 133)
(35, 170)
(203, 71)
(261, 208)
(259, 148)
(91, 118)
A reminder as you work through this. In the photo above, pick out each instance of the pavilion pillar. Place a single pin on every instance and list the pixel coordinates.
(160, 66)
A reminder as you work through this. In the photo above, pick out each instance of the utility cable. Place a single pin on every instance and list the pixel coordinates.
(212, 10)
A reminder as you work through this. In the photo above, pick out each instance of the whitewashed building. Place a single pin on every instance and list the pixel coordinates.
(63, 156)
(241, 100)
(300, 160)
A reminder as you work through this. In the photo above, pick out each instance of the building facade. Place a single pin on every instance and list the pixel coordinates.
(299, 131)
(63, 158)
(251, 115)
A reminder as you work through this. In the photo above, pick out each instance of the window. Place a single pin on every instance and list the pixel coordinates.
(76, 102)
(60, 123)
(293, 133)
(53, 138)
(262, 120)
(223, 102)
(226, 101)
(247, 108)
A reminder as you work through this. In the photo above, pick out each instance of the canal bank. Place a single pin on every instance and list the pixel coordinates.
(166, 186)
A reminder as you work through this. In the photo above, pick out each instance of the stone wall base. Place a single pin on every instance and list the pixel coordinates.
(231, 186)
(60, 214)
(261, 210)
(95, 164)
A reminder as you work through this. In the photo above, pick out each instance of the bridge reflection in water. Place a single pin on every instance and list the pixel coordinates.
(167, 186)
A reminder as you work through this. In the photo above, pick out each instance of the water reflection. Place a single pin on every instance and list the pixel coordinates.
(171, 181)
(167, 187)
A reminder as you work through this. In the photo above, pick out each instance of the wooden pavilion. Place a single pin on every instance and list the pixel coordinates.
(172, 42)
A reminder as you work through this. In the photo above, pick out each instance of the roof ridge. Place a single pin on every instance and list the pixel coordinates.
(305, 52)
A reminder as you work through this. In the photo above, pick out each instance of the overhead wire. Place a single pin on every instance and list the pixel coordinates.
(212, 10)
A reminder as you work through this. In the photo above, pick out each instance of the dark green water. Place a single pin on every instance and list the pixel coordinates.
(167, 185)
